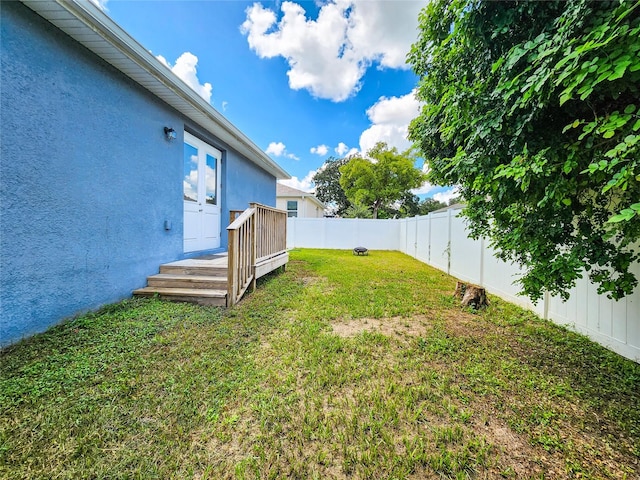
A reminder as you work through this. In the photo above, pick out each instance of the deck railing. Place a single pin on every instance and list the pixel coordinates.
(257, 245)
(271, 232)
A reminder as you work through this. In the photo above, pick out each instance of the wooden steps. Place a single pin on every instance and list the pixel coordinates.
(198, 280)
(163, 280)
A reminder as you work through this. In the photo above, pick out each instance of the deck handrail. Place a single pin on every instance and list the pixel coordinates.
(256, 235)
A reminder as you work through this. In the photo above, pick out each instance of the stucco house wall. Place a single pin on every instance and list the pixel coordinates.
(88, 181)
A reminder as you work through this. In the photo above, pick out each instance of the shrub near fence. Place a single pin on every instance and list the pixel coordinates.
(441, 240)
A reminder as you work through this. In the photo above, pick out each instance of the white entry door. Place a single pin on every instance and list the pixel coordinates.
(201, 184)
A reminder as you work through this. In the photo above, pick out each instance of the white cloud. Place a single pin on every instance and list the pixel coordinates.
(330, 55)
(446, 195)
(352, 151)
(276, 149)
(425, 188)
(390, 118)
(344, 151)
(224, 106)
(185, 69)
(341, 149)
(320, 150)
(279, 149)
(306, 184)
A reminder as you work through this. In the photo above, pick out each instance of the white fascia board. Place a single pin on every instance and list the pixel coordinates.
(88, 25)
(318, 202)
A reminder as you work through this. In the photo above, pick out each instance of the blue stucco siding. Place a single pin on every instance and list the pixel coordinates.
(87, 179)
(248, 181)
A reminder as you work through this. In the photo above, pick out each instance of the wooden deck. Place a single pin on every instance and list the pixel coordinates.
(257, 239)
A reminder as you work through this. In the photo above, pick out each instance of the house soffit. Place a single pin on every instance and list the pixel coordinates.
(89, 26)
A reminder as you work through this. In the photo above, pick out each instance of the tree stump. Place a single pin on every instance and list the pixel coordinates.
(471, 295)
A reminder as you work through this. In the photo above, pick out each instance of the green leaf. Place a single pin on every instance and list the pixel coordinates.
(566, 96)
(624, 216)
(585, 92)
(620, 69)
(497, 64)
(608, 134)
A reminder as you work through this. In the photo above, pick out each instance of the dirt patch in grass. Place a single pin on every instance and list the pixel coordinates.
(457, 322)
(393, 327)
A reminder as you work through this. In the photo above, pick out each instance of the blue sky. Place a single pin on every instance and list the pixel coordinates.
(304, 80)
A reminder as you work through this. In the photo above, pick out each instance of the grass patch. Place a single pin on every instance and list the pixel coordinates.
(342, 367)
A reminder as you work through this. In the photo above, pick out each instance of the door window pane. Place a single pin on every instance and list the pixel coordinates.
(190, 179)
(211, 180)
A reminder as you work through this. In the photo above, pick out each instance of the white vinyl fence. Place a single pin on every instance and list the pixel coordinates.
(441, 240)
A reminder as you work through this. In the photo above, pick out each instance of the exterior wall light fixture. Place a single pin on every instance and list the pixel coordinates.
(170, 133)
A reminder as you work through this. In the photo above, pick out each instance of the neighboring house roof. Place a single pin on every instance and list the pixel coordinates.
(91, 27)
(287, 191)
(455, 206)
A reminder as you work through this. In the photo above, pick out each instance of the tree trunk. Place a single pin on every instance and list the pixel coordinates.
(471, 295)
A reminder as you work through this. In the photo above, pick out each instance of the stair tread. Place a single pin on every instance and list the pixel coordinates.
(186, 276)
(177, 270)
(218, 261)
(186, 292)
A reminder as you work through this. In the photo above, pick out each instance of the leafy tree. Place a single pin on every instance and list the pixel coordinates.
(407, 206)
(429, 205)
(327, 182)
(357, 210)
(386, 176)
(532, 109)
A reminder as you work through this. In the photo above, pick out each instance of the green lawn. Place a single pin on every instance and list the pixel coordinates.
(341, 367)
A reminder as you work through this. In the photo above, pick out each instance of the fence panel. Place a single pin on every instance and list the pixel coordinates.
(615, 324)
(466, 254)
(407, 236)
(498, 277)
(343, 233)
(307, 232)
(371, 236)
(423, 233)
(439, 241)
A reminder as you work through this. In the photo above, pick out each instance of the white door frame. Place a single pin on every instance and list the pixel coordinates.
(201, 194)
